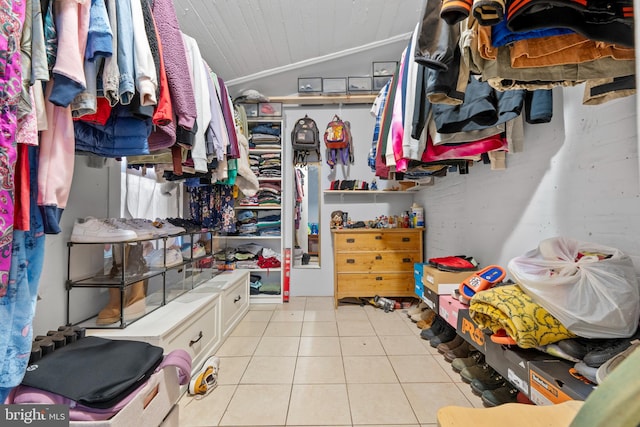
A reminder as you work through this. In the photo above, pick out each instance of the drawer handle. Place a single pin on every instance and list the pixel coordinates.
(406, 259)
(236, 299)
(378, 257)
(351, 240)
(406, 239)
(378, 237)
(351, 261)
(192, 342)
(378, 278)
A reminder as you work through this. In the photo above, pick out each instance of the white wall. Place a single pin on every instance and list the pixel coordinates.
(577, 177)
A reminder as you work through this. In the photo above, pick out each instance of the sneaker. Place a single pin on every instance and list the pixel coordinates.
(156, 258)
(586, 371)
(600, 354)
(416, 309)
(505, 394)
(147, 224)
(168, 227)
(198, 250)
(475, 358)
(206, 379)
(427, 315)
(142, 232)
(94, 230)
(579, 347)
(605, 369)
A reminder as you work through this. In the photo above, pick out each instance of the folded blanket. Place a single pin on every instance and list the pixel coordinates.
(509, 308)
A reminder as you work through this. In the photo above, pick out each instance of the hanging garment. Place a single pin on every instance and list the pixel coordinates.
(19, 304)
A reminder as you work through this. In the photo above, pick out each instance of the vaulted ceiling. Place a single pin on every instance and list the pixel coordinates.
(267, 44)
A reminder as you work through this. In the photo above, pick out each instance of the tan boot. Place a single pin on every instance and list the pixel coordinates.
(111, 312)
(135, 303)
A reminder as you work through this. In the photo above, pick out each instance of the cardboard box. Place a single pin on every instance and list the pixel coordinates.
(442, 282)
(471, 332)
(448, 308)
(430, 298)
(150, 406)
(512, 362)
(551, 382)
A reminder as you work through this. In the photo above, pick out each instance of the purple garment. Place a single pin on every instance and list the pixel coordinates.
(12, 19)
(234, 150)
(175, 63)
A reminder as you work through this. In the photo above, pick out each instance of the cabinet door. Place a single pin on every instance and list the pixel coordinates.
(384, 284)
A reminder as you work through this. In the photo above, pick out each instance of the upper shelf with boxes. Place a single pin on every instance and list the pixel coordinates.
(125, 269)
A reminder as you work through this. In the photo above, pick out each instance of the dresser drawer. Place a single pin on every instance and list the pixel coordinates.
(378, 241)
(396, 261)
(383, 284)
(235, 303)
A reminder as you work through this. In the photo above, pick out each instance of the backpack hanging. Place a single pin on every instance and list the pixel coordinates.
(305, 137)
(338, 141)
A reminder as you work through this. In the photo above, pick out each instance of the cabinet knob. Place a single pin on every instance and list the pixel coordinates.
(406, 239)
(378, 237)
(192, 342)
(378, 257)
(406, 259)
(378, 278)
(350, 261)
(236, 299)
(351, 240)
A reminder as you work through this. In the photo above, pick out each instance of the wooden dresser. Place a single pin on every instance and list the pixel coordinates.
(369, 262)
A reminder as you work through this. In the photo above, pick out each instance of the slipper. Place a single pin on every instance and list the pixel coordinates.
(501, 337)
(483, 279)
(454, 263)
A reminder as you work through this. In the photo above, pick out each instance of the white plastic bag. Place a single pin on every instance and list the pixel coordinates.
(592, 297)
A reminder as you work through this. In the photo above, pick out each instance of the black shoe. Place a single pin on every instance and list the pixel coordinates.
(500, 396)
(480, 385)
(449, 334)
(437, 327)
(600, 354)
(462, 351)
(579, 347)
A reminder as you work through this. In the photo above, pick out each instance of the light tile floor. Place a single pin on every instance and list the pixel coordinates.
(305, 363)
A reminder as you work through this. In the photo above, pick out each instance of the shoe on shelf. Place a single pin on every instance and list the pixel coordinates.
(206, 379)
(156, 258)
(462, 351)
(148, 225)
(579, 347)
(416, 309)
(94, 230)
(505, 394)
(438, 326)
(586, 371)
(480, 385)
(450, 345)
(605, 369)
(482, 372)
(449, 334)
(474, 358)
(600, 354)
(427, 315)
(168, 227)
(142, 232)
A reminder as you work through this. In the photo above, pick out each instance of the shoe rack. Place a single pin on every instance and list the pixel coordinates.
(111, 285)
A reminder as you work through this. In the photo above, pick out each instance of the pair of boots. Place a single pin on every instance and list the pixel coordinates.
(135, 263)
(134, 304)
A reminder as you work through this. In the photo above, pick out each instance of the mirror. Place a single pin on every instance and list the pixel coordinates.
(306, 216)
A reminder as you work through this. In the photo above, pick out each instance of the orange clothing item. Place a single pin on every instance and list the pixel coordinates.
(564, 49)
